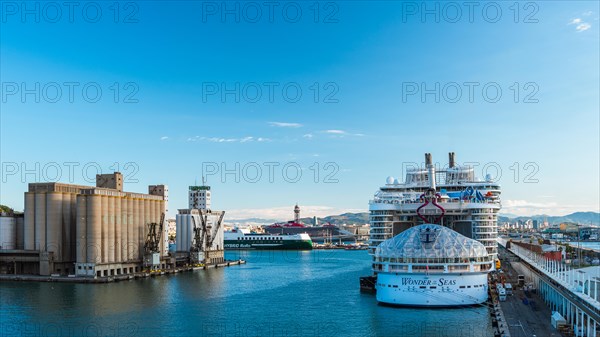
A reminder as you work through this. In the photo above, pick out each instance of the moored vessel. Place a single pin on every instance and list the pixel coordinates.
(244, 239)
(433, 237)
(324, 233)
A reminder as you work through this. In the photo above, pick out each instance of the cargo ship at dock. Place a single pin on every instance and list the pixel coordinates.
(240, 239)
(433, 237)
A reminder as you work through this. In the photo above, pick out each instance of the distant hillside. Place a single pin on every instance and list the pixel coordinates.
(363, 218)
(346, 218)
(584, 218)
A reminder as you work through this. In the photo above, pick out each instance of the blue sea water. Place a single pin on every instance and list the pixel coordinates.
(275, 294)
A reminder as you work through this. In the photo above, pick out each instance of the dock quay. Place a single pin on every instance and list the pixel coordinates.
(498, 319)
(117, 278)
(563, 297)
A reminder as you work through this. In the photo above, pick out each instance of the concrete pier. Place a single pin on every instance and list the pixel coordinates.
(571, 292)
(116, 278)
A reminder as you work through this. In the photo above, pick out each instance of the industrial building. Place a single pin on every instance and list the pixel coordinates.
(199, 230)
(11, 230)
(87, 231)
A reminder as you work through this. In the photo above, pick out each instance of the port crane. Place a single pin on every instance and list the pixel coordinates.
(152, 244)
(204, 236)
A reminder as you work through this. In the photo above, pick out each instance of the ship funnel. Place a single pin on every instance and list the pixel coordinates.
(451, 162)
(431, 170)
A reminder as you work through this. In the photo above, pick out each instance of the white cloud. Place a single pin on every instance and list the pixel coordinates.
(286, 212)
(342, 133)
(227, 140)
(588, 13)
(285, 125)
(580, 25)
(222, 140)
(164, 138)
(583, 27)
(308, 135)
(575, 21)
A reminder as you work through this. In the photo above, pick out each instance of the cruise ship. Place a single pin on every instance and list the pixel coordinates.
(450, 199)
(244, 239)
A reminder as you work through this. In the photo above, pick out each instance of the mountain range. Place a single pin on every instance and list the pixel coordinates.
(584, 218)
(363, 218)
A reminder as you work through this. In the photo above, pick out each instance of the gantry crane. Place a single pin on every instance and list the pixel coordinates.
(152, 244)
(204, 236)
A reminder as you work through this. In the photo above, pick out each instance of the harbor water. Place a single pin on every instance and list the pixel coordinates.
(277, 293)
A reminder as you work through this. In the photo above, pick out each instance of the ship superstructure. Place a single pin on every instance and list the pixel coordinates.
(457, 200)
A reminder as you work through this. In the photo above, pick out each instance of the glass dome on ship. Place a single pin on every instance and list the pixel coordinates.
(429, 244)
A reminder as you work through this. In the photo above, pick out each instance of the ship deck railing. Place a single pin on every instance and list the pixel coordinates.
(399, 201)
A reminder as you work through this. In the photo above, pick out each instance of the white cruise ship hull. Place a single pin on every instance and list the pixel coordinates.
(433, 290)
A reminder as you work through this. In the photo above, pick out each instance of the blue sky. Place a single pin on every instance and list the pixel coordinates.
(170, 119)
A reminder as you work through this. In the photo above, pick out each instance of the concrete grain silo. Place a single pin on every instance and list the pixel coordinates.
(8, 232)
(66, 233)
(94, 229)
(54, 207)
(110, 238)
(100, 229)
(132, 207)
(20, 230)
(81, 229)
(104, 229)
(40, 221)
(144, 225)
(29, 231)
(122, 214)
